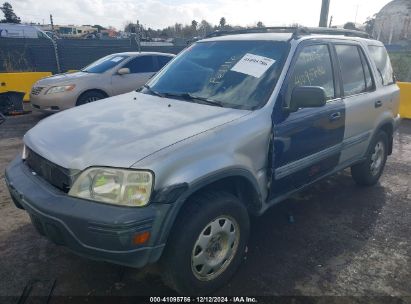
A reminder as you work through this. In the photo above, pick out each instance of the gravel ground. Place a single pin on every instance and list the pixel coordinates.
(344, 241)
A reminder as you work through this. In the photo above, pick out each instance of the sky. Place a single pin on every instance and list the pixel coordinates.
(161, 13)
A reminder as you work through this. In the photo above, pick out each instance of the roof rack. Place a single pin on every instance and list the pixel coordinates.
(296, 32)
(337, 31)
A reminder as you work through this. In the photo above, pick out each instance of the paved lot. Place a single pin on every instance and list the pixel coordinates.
(344, 240)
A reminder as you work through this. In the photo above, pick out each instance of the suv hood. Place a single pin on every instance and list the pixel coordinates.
(65, 78)
(121, 130)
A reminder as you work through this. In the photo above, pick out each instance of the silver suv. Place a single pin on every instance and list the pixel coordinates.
(233, 125)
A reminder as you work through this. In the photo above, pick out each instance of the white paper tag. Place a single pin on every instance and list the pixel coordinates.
(116, 59)
(253, 65)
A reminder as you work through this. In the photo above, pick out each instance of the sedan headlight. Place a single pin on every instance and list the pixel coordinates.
(114, 186)
(60, 89)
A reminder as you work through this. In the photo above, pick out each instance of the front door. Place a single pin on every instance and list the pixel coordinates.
(307, 143)
(141, 68)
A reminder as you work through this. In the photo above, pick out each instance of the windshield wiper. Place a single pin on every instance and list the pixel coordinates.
(152, 92)
(190, 97)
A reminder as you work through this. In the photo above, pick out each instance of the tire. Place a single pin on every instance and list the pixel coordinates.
(89, 96)
(219, 222)
(369, 171)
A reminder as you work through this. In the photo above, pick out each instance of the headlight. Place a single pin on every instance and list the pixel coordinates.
(114, 186)
(60, 89)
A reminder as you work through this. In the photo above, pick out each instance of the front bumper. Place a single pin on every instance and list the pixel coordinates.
(51, 103)
(94, 230)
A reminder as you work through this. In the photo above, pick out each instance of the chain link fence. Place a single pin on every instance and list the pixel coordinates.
(41, 55)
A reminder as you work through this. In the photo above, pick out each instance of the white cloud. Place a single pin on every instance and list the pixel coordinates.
(161, 13)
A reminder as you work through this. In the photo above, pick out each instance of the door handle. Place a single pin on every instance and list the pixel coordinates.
(335, 116)
(378, 104)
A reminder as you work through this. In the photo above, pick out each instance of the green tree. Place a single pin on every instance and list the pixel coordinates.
(194, 25)
(222, 22)
(9, 15)
(205, 28)
(350, 26)
(369, 25)
(260, 24)
(130, 27)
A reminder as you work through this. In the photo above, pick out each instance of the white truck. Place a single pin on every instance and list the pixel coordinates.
(10, 30)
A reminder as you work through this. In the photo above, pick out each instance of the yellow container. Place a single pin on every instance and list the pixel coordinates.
(405, 99)
(20, 82)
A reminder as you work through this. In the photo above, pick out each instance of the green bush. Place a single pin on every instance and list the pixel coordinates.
(401, 63)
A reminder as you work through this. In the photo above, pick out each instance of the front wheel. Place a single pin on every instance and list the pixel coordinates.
(90, 96)
(368, 172)
(207, 244)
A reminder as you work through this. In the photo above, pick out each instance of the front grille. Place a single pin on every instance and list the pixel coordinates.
(57, 176)
(36, 90)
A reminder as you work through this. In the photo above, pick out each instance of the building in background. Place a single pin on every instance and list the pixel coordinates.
(393, 23)
(70, 31)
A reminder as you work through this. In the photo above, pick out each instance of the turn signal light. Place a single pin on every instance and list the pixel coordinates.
(141, 238)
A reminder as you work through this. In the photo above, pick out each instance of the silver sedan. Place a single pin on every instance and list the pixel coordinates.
(109, 76)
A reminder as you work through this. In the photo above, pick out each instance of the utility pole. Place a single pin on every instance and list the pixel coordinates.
(51, 23)
(331, 21)
(356, 14)
(325, 7)
(56, 53)
(138, 35)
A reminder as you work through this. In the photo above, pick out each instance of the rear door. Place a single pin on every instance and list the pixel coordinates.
(384, 74)
(363, 104)
(141, 69)
(307, 143)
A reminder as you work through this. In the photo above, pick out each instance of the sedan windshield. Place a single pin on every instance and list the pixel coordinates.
(104, 64)
(236, 74)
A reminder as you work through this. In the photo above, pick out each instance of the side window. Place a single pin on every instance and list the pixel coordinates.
(313, 68)
(369, 82)
(382, 61)
(163, 60)
(143, 64)
(352, 71)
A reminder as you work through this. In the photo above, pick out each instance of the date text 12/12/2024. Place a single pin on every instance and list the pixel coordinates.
(203, 300)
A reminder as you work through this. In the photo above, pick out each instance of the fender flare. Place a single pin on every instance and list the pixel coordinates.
(386, 121)
(178, 195)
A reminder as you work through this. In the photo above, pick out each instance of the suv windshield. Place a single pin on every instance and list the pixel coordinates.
(236, 74)
(104, 64)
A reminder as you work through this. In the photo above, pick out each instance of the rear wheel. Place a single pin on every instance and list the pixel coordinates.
(207, 245)
(89, 96)
(368, 172)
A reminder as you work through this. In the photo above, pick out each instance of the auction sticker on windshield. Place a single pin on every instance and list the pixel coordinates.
(253, 65)
(116, 59)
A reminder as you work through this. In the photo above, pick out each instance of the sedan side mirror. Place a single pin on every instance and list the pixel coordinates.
(307, 97)
(123, 71)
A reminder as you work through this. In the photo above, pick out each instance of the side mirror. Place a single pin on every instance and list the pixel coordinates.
(307, 97)
(123, 71)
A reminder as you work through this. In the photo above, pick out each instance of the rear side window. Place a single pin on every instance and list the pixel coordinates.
(352, 70)
(369, 82)
(382, 61)
(142, 64)
(163, 60)
(313, 68)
